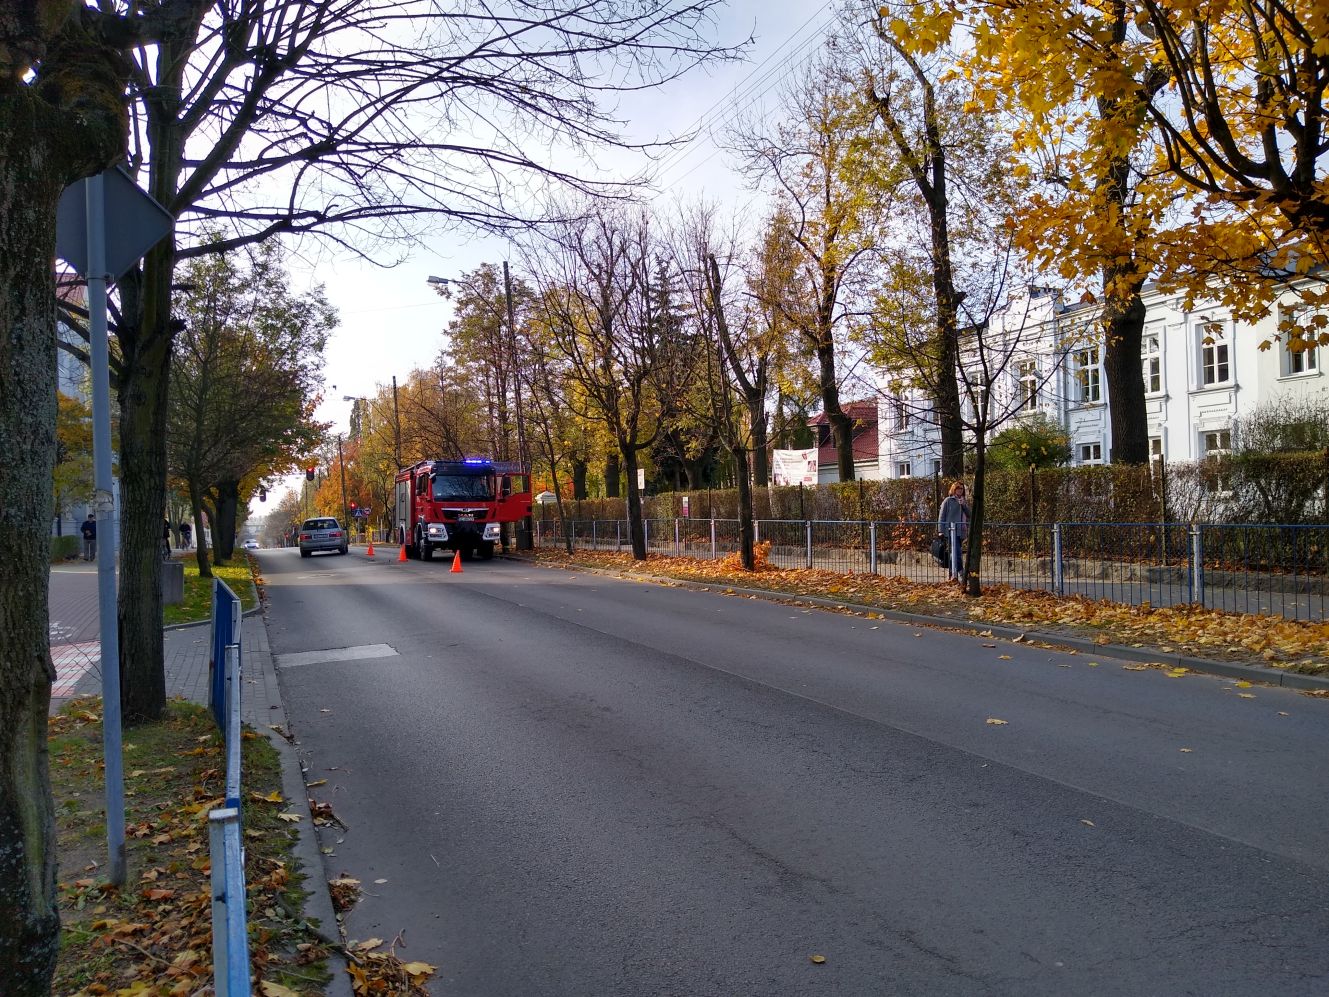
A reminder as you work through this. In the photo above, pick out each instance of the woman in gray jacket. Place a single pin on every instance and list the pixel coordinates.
(955, 509)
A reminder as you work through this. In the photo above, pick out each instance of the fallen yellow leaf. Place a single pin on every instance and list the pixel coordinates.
(818, 959)
(270, 989)
(1186, 750)
(1243, 684)
(993, 721)
(1003, 657)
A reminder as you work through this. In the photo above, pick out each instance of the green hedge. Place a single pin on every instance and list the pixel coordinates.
(1284, 488)
(64, 548)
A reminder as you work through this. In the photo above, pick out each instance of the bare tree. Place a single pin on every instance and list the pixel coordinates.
(826, 226)
(595, 298)
(354, 120)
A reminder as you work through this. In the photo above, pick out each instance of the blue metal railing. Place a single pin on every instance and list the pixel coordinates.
(230, 936)
(1250, 568)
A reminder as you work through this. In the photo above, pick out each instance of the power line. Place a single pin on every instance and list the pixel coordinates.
(743, 95)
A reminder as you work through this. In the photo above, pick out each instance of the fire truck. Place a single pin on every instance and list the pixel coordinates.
(460, 505)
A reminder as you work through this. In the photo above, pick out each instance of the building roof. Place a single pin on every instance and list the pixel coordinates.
(866, 443)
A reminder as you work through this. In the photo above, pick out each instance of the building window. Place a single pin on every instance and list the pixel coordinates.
(899, 413)
(1215, 356)
(1089, 388)
(1091, 453)
(1298, 353)
(1027, 372)
(1216, 442)
(1155, 448)
(1151, 357)
(903, 469)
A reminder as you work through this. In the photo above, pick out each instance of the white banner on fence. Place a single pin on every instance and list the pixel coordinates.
(794, 467)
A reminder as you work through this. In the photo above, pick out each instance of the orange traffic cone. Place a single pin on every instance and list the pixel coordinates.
(402, 555)
(370, 551)
(456, 563)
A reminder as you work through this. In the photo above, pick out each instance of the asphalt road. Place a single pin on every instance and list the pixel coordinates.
(574, 785)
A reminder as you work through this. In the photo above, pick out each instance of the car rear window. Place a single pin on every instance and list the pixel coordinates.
(319, 524)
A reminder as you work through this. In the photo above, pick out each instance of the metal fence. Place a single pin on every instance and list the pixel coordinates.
(1249, 568)
(230, 937)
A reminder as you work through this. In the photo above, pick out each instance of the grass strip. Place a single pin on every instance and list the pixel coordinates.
(197, 604)
(153, 936)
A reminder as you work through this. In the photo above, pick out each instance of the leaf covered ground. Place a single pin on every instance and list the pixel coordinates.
(152, 937)
(197, 604)
(1206, 633)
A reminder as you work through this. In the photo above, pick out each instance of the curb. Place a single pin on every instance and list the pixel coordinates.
(318, 901)
(1226, 669)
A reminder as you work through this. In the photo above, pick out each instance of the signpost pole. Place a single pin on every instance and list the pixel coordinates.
(108, 546)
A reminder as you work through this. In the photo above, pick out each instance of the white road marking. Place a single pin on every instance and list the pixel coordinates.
(297, 658)
(72, 662)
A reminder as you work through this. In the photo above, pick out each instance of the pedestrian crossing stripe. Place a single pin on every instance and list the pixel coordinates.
(72, 662)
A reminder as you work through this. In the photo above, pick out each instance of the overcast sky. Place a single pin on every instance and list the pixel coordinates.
(391, 320)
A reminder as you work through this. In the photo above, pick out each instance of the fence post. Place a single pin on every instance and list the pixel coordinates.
(712, 538)
(678, 549)
(646, 533)
(807, 525)
(872, 547)
(618, 534)
(1058, 571)
(756, 531)
(1197, 564)
(595, 540)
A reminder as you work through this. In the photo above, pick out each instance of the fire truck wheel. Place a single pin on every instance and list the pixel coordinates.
(425, 548)
(486, 550)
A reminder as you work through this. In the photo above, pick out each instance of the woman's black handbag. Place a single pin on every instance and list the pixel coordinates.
(940, 550)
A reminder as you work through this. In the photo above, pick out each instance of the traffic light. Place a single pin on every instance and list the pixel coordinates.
(309, 474)
(353, 508)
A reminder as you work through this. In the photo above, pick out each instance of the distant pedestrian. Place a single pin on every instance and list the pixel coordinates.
(166, 539)
(186, 535)
(955, 510)
(89, 531)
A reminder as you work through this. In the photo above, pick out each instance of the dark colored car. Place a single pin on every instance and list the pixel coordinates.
(322, 534)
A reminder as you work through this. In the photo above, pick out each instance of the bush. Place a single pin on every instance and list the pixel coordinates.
(1039, 441)
(64, 548)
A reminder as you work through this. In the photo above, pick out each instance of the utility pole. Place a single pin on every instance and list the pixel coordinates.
(341, 464)
(526, 533)
(396, 422)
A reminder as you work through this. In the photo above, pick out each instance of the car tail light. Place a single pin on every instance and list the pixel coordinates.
(335, 533)
(304, 536)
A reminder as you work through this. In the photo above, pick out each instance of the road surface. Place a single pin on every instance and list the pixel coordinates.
(576, 785)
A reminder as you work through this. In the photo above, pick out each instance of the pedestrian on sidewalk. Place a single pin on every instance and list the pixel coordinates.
(955, 509)
(89, 531)
(186, 535)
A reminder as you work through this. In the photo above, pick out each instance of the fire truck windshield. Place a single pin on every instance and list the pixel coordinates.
(463, 486)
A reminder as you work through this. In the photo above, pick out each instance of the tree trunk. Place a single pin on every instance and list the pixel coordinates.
(201, 545)
(613, 476)
(578, 479)
(842, 427)
(761, 458)
(1123, 369)
(29, 919)
(223, 536)
(55, 133)
(635, 528)
(746, 533)
(143, 400)
(974, 551)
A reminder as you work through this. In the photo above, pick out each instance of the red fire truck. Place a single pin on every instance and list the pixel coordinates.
(459, 504)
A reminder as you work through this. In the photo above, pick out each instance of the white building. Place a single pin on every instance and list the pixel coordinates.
(1201, 371)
